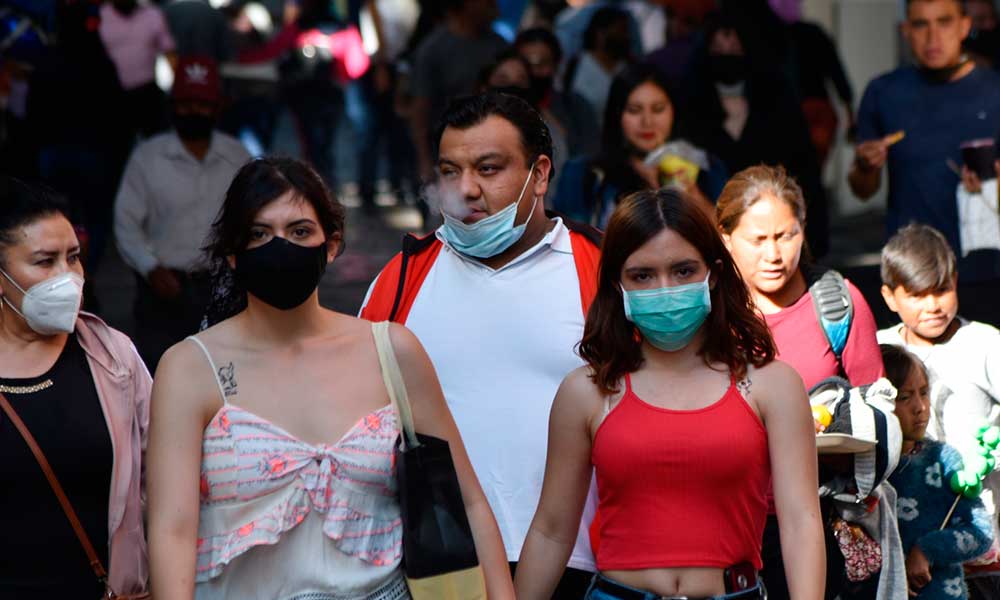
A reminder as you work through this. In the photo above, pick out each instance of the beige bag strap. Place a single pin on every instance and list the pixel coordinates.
(394, 384)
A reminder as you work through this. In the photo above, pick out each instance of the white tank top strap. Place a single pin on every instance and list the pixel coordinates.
(215, 371)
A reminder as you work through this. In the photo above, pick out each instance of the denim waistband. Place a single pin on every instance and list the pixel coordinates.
(602, 588)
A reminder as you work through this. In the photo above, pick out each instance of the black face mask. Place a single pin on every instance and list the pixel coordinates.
(125, 7)
(943, 75)
(193, 127)
(727, 68)
(540, 86)
(280, 273)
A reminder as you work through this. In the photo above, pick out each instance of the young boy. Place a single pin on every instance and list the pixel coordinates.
(919, 279)
(934, 555)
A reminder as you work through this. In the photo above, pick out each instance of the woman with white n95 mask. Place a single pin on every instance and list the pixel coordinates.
(76, 389)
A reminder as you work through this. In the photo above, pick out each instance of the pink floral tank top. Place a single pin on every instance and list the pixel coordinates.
(273, 505)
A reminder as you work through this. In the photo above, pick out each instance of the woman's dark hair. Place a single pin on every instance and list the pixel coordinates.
(615, 149)
(734, 333)
(465, 113)
(257, 184)
(899, 364)
(919, 259)
(613, 142)
(543, 35)
(603, 18)
(505, 55)
(22, 204)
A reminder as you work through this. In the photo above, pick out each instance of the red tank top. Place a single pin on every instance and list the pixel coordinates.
(681, 488)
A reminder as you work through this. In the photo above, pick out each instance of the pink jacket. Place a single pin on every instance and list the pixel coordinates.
(123, 386)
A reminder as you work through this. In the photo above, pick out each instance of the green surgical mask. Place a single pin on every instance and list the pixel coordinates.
(669, 317)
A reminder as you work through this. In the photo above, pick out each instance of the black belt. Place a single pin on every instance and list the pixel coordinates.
(755, 591)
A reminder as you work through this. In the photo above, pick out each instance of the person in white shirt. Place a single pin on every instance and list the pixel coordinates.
(919, 283)
(497, 296)
(171, 191)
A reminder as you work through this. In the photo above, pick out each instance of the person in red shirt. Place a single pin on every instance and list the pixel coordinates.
(761, 213)
(682, 414)
(762, 216)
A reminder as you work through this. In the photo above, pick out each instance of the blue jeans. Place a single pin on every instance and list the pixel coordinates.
(596, 594)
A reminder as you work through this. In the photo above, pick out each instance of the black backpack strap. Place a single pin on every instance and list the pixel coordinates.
(412, 245)
(834, 309)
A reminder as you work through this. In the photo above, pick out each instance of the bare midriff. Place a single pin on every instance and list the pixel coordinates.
(681, 581)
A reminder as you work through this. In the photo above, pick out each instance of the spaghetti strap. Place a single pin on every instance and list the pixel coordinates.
(215, 371)
(628, 383)
(392, 377)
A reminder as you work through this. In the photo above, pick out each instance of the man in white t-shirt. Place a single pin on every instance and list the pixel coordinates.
(919, 283)
(497, 296)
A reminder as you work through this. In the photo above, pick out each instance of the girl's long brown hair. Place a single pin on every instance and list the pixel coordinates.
(734, 333)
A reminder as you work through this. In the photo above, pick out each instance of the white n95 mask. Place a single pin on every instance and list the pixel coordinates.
(51, 306)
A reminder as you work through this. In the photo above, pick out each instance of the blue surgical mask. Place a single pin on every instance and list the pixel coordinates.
(669, 317)
(490, 236)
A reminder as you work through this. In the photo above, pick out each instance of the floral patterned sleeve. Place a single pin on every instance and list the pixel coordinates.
(968, 533)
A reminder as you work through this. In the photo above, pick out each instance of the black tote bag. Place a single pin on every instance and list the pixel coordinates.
(439, 555)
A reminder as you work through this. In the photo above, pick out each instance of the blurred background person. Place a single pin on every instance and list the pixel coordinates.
(447, 65)
(562, 110)
(640, 119)
(914, 120)
(171, 193)
(199, 29)
(815, 66)
(983, 41)
(607, 49)
(510, 73)
(745, 112)
(77, 113)
(135, 34)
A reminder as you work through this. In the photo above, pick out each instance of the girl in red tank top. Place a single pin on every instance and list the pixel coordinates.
(684, 416)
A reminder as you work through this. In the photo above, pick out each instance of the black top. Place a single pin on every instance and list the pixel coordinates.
(40, 556)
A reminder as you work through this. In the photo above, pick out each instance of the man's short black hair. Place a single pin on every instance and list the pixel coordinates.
(543, 35)
(919, 259)
(470, 111)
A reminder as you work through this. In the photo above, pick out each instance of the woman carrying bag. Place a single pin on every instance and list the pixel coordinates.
(74, 400)
(271, 455)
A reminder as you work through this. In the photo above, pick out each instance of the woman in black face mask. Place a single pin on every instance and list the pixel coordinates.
(744, 111)
(271, 470)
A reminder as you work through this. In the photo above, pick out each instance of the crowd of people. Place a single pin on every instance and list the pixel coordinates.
(617, 321)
